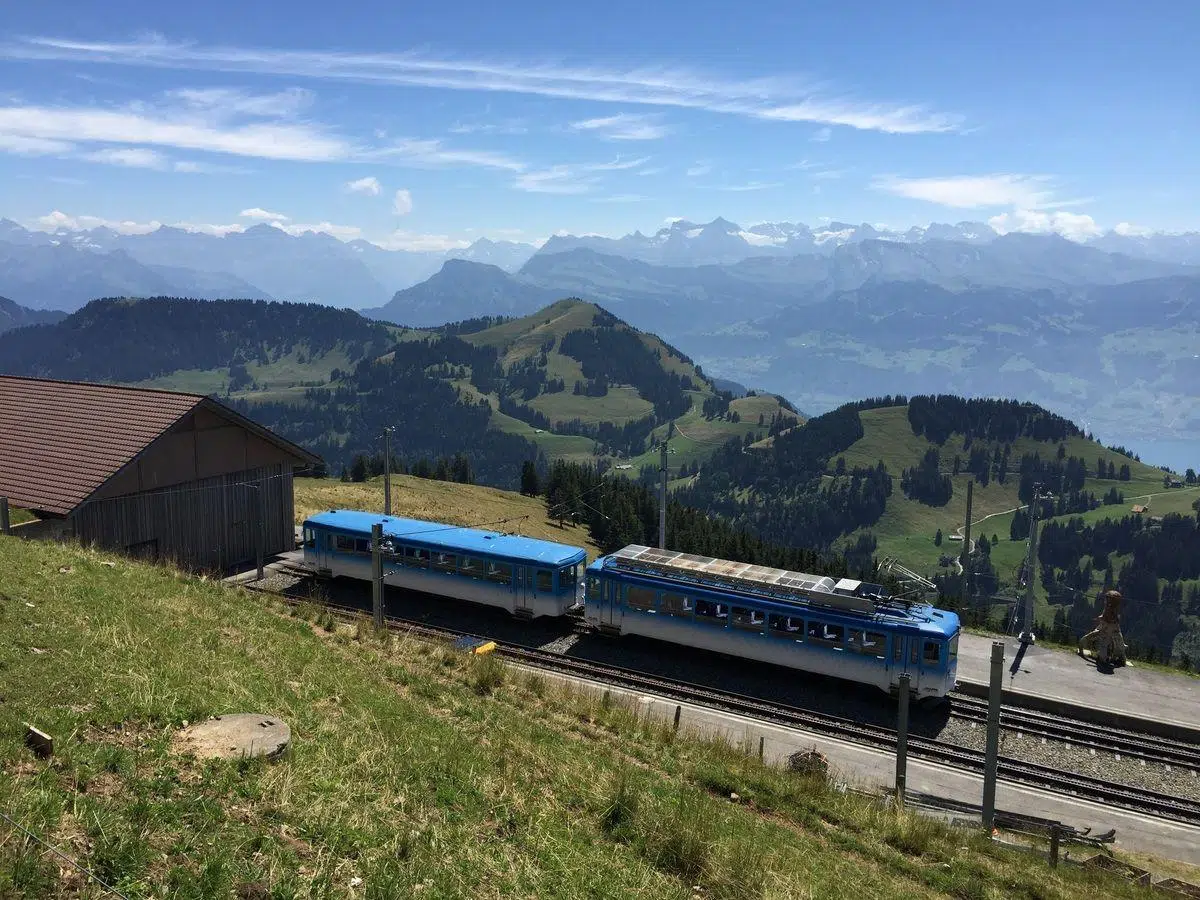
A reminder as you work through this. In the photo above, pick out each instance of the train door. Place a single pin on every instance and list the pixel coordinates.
(905, 659)
(932, 655)
(523, 590)
(610, 605)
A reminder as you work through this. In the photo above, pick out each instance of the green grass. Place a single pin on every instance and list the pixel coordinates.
(620, 405)
(286, 372)
(414, 770)
(16, 516)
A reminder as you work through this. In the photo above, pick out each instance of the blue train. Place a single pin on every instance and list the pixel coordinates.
(842, 628)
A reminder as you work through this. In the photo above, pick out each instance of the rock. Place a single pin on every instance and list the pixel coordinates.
(238, 736)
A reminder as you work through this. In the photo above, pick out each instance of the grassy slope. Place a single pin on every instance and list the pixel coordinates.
(907, 529)
(441, 501)
(412, 772)
(522, 338)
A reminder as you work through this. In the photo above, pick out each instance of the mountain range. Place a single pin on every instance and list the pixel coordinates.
(65, 269)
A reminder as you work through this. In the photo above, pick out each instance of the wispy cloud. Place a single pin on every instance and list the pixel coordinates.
(578, 178)
(699, 169)
(369, 185)
(624, 127)
(785, 99)
(402, 204)
(751, 186)
(510, 126)
(826, 174)
(132, 157)
(433, 154)
(192, 167)
(237, 102)
(973, 191)
(262, 215)
(822, 135)
(29, 145)
(620, 198)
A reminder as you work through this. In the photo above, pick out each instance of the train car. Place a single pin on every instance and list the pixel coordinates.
(843, 628)
(526, 576)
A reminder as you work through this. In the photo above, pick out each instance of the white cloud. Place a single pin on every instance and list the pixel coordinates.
(822, 135)
(512, 126)
(409, 240)
(25, 145)
(752, 186)
(402, 205)
(200, 168)
(133, 157)
(369, 185)
(699, 169)
(1076, 226)
(214, 230)
(778, 98)
(67, 127)
(578, 178)
(624, 127)
(61, 221)
(1127, 229)
(264, 215)
(433, 154)
(972, 191)
(342, 232)
(621, 198)
(232, 101)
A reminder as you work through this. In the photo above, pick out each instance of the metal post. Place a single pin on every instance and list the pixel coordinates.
(377, 574)
(902, 739)
(662, 500)
(1026, 636)
(387, 470)
(993, 735)
(4, 526)
(258, 539)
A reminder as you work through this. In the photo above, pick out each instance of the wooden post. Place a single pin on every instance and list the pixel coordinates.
(4, 526)
(902, 739)
(993, 736)
(1055, 835)
(377, 574)
(678, 713)
(762, 741)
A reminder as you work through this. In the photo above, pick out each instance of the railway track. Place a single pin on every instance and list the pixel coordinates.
(1080, 786)
(1122, 743)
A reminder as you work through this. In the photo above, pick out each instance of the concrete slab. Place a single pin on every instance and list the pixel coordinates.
(1066, 679)
(870, 768)
(237, 736)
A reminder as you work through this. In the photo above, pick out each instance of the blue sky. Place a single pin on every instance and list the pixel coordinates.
(427, 126)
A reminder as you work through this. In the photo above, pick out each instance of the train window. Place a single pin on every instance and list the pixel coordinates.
(954, 650)
(714, 612)
(343, 543)
(748, 619)
(639, 598)
(445, 562)
(568, 578)
(784, 626)
(593, 588)
(415, 557)
(676, 605)
(545, 581)
(914, 652)
(310, 539)
(933, 653)
(500, 573)
(362, 545)
(472, 568)
(897, 649)
(825, 633)
(875, 644)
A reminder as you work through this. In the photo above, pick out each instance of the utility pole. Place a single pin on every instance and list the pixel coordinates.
(965, 559)
(662, 499)
(992, 751)
(387, 469)
(377, 574)
(1026, 636)
(902, 738)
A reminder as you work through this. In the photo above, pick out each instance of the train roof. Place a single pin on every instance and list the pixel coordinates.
(452, 537)
(779, 586)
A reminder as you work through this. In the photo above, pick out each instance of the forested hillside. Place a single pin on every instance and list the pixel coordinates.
(130, 340)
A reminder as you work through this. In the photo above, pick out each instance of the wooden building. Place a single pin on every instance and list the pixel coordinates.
(157, 474)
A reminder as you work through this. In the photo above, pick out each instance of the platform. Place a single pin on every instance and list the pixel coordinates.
(1058, 681)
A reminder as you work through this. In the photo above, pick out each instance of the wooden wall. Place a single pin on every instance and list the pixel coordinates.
(206, 523)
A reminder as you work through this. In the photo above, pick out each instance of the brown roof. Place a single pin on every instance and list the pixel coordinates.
(61, 440)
